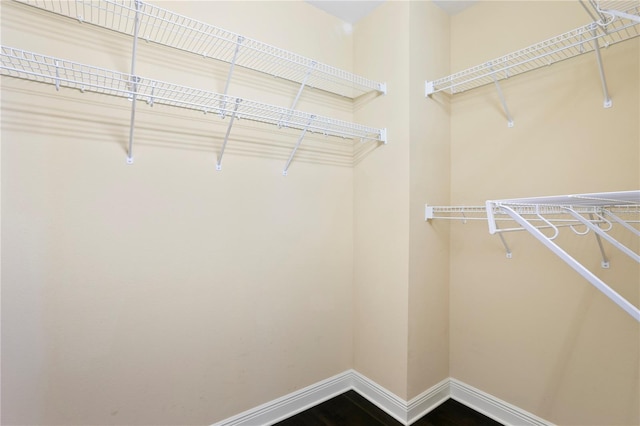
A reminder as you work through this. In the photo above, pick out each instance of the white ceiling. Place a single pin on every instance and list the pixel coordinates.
(352, 11)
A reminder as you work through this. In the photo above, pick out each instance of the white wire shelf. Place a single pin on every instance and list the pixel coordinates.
(543, 217)
(61, 73)
(167, 28)
(568, 45)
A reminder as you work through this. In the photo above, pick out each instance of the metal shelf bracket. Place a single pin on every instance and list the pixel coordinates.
(295, 148)
(502, 100)
(226, 136)
(607, 99)
(134, 81)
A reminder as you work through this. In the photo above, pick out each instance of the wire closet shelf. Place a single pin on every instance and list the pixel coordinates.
(61, 73)
(614, 29)
(170, 29)
(543, 217)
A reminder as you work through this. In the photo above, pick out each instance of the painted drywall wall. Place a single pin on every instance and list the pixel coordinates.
(165, 292)
(429, 162)
(381, 204)
(530, 330)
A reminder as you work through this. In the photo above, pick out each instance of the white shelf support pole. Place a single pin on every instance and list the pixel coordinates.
(295, 101)
(134, 82)
(312, 67)
(577, 266)
(295, 148)
(223, 105)
(605, 262)
(226, 136)
(504, 242)
(502, 100)
(607, 99)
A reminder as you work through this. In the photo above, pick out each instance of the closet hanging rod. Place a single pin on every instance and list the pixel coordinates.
(167, 28)
(568, 45)
(61, 73)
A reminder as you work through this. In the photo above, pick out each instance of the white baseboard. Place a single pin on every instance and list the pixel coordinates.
(493, 407)
(403, 411)
(294, 403)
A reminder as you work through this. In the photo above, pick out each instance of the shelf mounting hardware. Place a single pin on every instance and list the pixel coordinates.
(295, 148)
(502, 100)
(226, 136)
(313, 65)
(605, 261)
(223, 106)
(605, 90)
(134, 81)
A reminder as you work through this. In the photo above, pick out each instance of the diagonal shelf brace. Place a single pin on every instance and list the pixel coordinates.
(223, 104)
(605, 261)
(295, 148)
(297, 98)
(226, 136)
(134, 81)
(502, 100)
(577, 266)
(607, 99)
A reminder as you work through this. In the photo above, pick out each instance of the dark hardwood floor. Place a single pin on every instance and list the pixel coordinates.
(351, 409)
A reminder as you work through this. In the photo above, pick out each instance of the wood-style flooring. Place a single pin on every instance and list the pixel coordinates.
(351, 409)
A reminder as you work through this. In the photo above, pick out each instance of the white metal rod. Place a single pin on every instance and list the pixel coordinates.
(504, 243)
(605, 261)
(304, 83)
(226, 86)
(626, 250)
(622, 222)
(577, 266)
(134, 82)
(226, 136)
(295, 148)
(57, 76)
(504, 103)
(605, 90)
(295, 101)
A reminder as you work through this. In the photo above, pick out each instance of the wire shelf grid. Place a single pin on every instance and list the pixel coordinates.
(62, 73)
(170, 29)
(568, 45)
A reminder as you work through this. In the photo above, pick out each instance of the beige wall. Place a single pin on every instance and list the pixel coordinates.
(381, 204)
(165, 292)
(530, 330)
(429, 164)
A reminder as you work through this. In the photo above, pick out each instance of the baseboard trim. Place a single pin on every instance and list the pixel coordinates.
(403, 411)
(384, 399)
(293, 403)
(493, 407)
(422, 404)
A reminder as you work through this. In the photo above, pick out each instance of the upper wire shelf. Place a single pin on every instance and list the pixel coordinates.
(167, 28)
(63, 73)
(568, 45)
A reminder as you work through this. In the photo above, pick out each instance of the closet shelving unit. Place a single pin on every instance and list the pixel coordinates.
(157, 25)
(167, 28)
(614, 22)
(543, 217)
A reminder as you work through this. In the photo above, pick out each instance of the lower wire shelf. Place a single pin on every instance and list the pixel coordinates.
(543, 217)
(62, 73)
